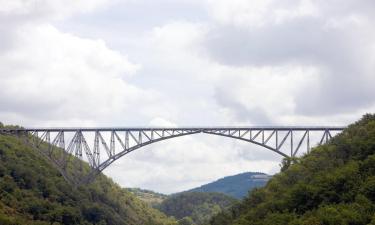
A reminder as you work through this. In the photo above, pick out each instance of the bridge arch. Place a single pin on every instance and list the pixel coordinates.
(125, 140)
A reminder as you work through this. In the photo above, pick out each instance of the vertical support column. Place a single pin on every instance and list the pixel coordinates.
(49, 144)
(78, 152)
(96, 148)
(62, 140)
(36, 137)
(78, 145)
(291, 143)
(112, 144)
(308, 141)
(140, 137)
(48, 137)
(61, 144)
(127, 140)
(262, 136)
(277, 139)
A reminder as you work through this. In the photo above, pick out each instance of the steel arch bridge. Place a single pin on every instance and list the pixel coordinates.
(68, 148)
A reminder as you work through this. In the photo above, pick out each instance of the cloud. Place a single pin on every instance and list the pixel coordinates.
(39, 9)
(259, 13)
(263, 95)
(161, 122)
(50, 74)
(335, 39)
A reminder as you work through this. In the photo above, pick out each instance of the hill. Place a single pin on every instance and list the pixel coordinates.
(32, 192)
(333, 185)
(195, 207)
(150, 197)
(236, 186)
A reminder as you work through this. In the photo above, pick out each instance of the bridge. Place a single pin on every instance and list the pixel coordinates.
(68, 148)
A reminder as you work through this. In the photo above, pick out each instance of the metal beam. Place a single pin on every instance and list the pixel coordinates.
(79, 148)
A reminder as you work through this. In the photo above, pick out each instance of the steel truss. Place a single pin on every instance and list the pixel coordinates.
(110, 144)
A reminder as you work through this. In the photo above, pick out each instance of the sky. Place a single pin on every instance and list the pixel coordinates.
(186, 63)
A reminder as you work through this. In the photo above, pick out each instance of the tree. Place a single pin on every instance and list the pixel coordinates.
(186, 221)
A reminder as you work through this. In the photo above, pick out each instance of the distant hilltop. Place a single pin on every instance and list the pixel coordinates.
(236, 186)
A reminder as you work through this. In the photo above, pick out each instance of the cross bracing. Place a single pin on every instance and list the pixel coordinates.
(67, 148)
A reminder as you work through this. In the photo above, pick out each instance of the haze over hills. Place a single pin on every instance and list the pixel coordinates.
(198, 205)
(236, 186)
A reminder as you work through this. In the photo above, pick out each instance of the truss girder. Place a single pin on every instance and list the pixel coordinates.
(117, 142)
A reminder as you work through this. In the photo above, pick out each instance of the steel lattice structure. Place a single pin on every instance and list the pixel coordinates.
(68, 148)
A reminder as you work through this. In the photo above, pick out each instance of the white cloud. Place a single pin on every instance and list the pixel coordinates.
(334, 39)
(266, 94)
(51, 75)
(57, 9)
(258, 13)
(178, 42)
(161, 122)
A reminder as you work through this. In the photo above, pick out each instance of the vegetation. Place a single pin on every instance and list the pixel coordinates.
(195, 207)
(32, 192)
(150, 197)
(334, 184)
(236, 186)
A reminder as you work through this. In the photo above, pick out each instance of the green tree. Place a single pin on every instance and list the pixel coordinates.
(186, 221)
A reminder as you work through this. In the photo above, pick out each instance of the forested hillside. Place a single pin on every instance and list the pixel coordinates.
(32, 192)
(195, 207)
(333, 185)
(236, 186)
(151, 197)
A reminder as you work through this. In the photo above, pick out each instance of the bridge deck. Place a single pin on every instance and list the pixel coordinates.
(280, 128)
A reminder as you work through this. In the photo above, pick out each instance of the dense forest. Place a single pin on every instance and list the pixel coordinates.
(333, 185)
(195, 207)
(237, 186)
(32, 192)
